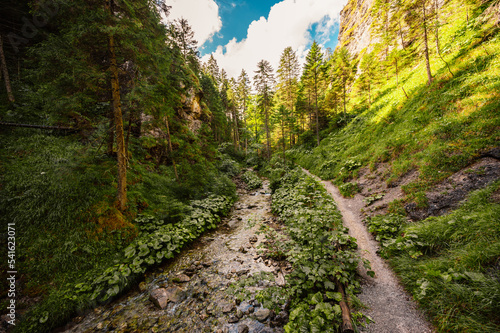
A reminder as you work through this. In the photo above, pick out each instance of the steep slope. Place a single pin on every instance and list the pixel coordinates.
(420, 150)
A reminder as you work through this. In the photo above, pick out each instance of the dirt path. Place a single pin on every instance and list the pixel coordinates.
(390, 307)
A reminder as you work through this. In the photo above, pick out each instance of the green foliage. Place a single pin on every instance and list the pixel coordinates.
(252, 180)
(319, 249)
(450, 263)
(348, 190)
(229, 166)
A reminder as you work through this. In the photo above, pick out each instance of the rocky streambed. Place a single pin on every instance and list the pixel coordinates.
(192, 292)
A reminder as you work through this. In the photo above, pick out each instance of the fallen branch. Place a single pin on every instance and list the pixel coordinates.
(346, 313)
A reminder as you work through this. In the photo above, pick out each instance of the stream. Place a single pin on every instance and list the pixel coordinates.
(196, 283)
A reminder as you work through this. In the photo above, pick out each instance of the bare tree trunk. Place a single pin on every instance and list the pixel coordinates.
(236, 130)
(120, 140)
(245, 122)
(401, 34)
(426, 47)
(268, 143)
(397, 79)
(343, 94)
(171, 151)
(436, 10)
(5, 72)
(111, 132)
(283, 136)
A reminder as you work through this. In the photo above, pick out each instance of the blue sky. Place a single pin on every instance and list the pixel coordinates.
(239, 33)
(236, 16)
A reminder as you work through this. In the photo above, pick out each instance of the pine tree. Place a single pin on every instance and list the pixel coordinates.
(105, 52)
(243, 92)
(264, 84)
(342, 72)
(288, 75)
(313, 74)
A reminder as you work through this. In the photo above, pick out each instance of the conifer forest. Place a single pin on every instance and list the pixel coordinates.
(354, 189)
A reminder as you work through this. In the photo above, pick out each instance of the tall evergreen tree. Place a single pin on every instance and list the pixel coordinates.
(264, 84)
(287, 86)
(342, 71)
(313, 73)
(243, 91)
(98, 45)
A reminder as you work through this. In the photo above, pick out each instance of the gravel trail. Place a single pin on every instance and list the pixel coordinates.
(389, 305)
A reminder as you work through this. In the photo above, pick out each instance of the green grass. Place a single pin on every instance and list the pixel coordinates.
(451, 264)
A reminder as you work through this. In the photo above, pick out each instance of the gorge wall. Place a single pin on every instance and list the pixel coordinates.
(355, 23)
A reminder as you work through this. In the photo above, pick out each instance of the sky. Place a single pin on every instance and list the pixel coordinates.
(240, 33)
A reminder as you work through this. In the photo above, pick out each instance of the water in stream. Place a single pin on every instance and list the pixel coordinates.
(197, 282)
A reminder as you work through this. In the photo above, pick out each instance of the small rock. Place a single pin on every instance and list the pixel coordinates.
(203, 316)
(233, 319)
(242, 328)
(174, 294)
(206, 264)
(99, 326)
(237, 301)
(243, 250)
(251, 309)
(253, 239)
(159, 297)
(182, 278)
(262, 314)
(227, 307)
(239, 314)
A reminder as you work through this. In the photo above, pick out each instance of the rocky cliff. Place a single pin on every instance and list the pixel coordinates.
(355, 23)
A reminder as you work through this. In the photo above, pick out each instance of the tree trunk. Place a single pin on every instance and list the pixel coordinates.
(120, 140)
(397, 79)
(171, 151)
(5, 72)
(245, 122)
(268, 143)
(283, 136)
(426, 47)
(343, 96)
(401, 34)
(436, 10)
(111, 132)
(236, 131)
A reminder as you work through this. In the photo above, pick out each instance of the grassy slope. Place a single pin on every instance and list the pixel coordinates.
(438, 130)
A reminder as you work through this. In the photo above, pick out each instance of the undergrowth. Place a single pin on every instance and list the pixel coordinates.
(450, 263)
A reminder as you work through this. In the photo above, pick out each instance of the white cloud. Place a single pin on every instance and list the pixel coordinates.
(287, 25)
(202, 15)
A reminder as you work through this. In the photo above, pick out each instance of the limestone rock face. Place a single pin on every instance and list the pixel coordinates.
(355, 23)
(191, 109)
